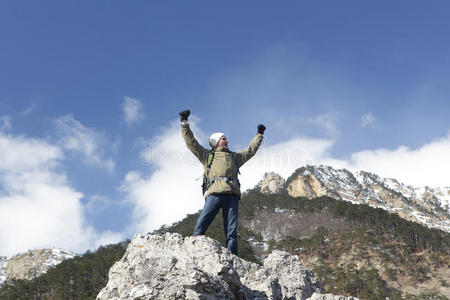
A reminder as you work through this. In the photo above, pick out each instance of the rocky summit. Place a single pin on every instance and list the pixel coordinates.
(171, 266)
(272, 183)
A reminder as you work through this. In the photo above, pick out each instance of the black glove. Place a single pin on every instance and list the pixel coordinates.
(261, 128)
(184, 115)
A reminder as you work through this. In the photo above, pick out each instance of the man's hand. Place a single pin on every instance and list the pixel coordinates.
(261, 128)
(184, 115)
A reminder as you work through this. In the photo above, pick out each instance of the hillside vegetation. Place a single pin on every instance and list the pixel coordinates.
(354, 249)
(79, 278)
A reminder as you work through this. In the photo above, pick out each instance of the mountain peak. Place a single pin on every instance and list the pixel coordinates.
(272, 183)
(425, 205)
(32, 263)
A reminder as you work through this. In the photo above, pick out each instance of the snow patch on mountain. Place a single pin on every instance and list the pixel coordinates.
(57, 256)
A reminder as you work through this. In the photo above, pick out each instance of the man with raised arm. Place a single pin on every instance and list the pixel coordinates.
(221, 187)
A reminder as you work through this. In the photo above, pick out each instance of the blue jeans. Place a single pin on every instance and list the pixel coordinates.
(229, 204)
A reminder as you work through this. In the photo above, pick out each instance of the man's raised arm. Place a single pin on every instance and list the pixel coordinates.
(190, 140)
(244, 155)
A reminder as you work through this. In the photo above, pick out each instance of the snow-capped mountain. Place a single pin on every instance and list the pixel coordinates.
(425, 205)
(32, 263)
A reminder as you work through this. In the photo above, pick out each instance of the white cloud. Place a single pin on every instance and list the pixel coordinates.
(106, 238)
(38, 208)
(171, 192)
(28, 110)
(328, 122)
(368, 119)
(427, 165)
(20, 154)
(5, 123)
(97, 203)
(90, 143)
(132, 110)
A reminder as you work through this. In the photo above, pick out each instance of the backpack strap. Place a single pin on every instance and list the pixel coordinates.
(209, 161)
(206, 184)
(234, 158)
(232, 181)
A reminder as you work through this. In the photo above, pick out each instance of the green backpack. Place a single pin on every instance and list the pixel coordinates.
(205, 184)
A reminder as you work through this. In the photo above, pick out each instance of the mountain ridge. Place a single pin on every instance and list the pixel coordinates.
(425, 205)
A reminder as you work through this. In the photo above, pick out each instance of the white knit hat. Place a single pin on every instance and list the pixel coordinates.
(214, 138)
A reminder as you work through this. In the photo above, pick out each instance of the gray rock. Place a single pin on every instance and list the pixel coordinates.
(171, 266)
(272, 183)
(317, 296)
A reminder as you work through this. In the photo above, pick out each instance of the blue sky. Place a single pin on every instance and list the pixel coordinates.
(90, 85)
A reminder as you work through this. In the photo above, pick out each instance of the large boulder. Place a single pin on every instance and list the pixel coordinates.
(171, 266)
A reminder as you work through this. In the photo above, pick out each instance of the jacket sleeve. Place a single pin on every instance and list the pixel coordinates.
(192, 143)
(243, 156)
